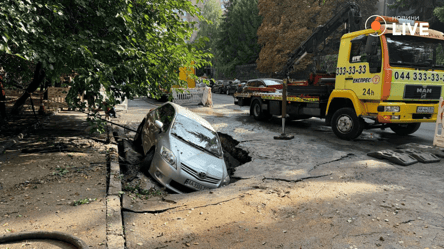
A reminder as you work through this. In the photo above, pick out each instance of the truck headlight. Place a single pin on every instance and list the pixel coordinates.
(168, 156)
(226, 181)
(392, 109)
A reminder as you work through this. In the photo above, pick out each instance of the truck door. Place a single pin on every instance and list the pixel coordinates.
(361, 72)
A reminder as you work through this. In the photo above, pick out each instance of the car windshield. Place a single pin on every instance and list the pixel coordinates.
(412, 51)
(272, 82)
(196, 134)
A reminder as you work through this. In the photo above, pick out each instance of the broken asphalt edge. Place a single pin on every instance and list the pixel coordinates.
(114, 225)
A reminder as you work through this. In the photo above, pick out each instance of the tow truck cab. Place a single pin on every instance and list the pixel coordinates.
(393, 79)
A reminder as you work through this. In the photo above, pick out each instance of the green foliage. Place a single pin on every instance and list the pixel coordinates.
(425, 9)
(60, 171)
(237, 41)
(439, 12)
(142, 193)
(83, 201)
(209, 27)
(129, 48)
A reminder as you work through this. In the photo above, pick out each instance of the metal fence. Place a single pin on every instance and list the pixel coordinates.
(188, 96)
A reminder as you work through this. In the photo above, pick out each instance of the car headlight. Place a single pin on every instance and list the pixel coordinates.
(226, 181)
(168, 156)
(392, 109)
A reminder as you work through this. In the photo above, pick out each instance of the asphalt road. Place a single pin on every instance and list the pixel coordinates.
(351, 203)
(424, 135)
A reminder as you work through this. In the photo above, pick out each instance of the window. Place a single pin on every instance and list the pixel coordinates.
(358, 55)
(415, 52)
(165, 114)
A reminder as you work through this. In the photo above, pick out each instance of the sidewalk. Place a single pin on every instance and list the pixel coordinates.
(55, 179)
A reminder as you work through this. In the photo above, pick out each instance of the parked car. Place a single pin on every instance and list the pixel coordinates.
(212, 83)
(218, 87)
(240, 86)
(182, 150)
(264, 82)
(230, 88)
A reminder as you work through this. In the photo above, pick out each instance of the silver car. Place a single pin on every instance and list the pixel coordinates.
(182, 150)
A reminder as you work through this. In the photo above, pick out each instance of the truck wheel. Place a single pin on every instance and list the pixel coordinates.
(138, 137)
(405, 129)
(256, 110)
(346, 125)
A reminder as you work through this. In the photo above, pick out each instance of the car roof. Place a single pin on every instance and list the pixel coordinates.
(278, 81)
(265, 79)
(187, 113)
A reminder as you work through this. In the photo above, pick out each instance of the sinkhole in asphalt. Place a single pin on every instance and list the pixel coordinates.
(133, 174)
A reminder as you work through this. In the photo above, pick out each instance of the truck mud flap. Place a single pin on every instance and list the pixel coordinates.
(423, 157)
(423, 148)
(394, 157)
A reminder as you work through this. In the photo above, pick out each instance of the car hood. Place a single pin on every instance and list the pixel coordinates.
(197, 159)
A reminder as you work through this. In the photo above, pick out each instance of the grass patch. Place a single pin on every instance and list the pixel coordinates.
(83, 201)
(142, 193)
(60, 171)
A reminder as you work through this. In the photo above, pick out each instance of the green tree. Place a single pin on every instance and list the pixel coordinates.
(128, 47)
(237, 41)
(287, 23)
(423, 9)
(210, 26)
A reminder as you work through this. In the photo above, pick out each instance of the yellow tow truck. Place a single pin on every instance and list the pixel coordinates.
(382, 79)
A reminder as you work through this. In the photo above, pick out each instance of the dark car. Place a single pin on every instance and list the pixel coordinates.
(217, 87)
(264, 82)
(241, 86)
(231, 87)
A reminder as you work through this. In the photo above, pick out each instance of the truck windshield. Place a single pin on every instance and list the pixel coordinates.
(197, 135)
(415, 52)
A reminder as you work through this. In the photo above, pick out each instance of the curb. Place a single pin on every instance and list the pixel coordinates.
(114, 229)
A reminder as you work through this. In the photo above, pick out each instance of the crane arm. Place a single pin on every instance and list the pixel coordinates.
(349, 14)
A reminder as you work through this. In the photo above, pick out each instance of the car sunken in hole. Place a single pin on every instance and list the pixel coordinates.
(182, 151)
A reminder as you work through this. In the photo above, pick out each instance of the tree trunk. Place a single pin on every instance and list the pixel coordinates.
(2, 99)
(39, 75)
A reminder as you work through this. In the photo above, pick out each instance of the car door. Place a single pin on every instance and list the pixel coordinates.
(148, 131)
(164, 114)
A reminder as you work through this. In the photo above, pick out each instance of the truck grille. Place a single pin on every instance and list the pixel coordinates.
(422, 92)
(195, 174)
(421, 116)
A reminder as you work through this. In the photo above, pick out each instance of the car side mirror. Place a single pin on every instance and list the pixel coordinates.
(158, 125)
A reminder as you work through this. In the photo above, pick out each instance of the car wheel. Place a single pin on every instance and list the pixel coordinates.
(405, 129)
(346, 125)
(146, 162)
(258, 113)
(138, 137)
